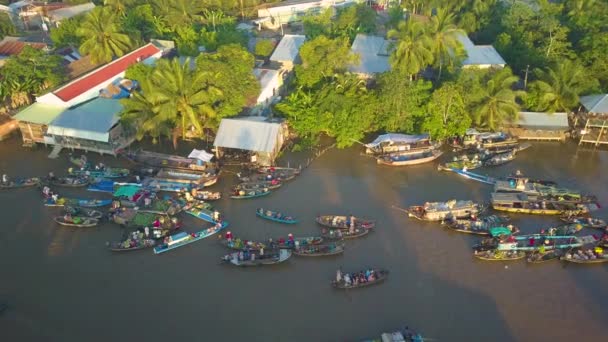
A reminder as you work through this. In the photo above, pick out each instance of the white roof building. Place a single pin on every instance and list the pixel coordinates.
(69, 12)
(288, 49)
(480, 56)
(270, 82)
(373, 52)
(597, 104)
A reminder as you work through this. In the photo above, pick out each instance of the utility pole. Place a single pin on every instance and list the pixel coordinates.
(526, 77)
(242, 12)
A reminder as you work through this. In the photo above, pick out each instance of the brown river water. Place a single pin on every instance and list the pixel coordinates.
(63, 285)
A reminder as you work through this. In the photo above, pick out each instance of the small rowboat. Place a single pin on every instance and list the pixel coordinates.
(242, 194)
(260, 185)
(538, 258)
(20, 183)
(275, 216)
(77, 221)
(69, 182)
(121, 246)
(587, 256)
(319, 250)
(343, 222)
(380, 276)
(109, 172)
(255, 258)
(496, 255)
(281, 173)
(86, 203)
(499, 158)
(339, 234)
(182, 239)
(83, 212)
(585, 221)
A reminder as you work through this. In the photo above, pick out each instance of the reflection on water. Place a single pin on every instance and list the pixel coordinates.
(64, 285)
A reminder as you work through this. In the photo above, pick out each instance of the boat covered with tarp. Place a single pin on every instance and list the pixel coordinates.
(201, 179)
(397, 142)
(406, 159)
(439, 211)
(344, 222)
(478, 225)
(159, 160)
(109, 186)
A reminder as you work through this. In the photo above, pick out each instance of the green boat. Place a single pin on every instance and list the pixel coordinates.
(109, 172)
(244, 194)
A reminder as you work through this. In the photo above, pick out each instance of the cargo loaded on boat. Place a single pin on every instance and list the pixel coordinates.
(395, 142)
(438, 211)
(538, 205)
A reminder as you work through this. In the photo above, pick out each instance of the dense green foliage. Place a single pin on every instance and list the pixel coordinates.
(101, 37)
(6, 26)
(263, 47)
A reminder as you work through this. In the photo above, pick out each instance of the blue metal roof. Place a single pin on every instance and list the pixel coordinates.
(91, 120)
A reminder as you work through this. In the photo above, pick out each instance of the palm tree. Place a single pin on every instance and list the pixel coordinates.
(558, 87)
(579, 7)
(119, 6)
(413, 50)
(102, 37)
(179, 12)
(499, 101)
(216, 18)
(444, 35)
(175, 97)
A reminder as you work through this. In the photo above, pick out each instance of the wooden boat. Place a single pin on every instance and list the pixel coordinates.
(499, 158)
(406, 335)
(199, 179)
(83, 212)
(585, 221)
(552, 193)
(239, 244)
(242, 194)
(297, 242)
(507, 148)
(208, 195)
(125, 246)
(137, 219)
(80, 161)
(275, 216)
(499, 255)
(111, 186)
(478, 226)
(460, 165)
(281, 174)
(538, 258)
(400, 159)
(160, 184)
(69, 181)
(202, 210)
(439, 211)
(339, 234)
(380, 276)
(541, 242)
(255, 258)
(566, 229)
(396, 142)
(594, 255)
(108, 172)
(524, 204)
(155, 159)
(343, 222)
(20, 183)
(167, 206)
(492, 140)
(182, 239)
(319, 250)
(259, 185)
(77, 221)
(86, 203)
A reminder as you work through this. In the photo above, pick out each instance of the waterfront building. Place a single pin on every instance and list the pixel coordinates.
(541, 126)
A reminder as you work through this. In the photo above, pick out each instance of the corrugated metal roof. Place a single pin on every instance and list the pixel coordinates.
(111, 70)
(288, 48)
(14, 47)
(595, 103)
(39, 113)
(91, 120)
(251, 134)
(69, 12)
(543, 120)
(480, 54)
(373, 54)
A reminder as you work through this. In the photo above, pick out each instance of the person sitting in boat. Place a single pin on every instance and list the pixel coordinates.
(338, 275)
(46, 191)
(216, 216)
(4, 179)
(229, 236)
(156, 223)
(55, 197)
(290, 240)
(67, 217)
(347, 279)
(268, 213)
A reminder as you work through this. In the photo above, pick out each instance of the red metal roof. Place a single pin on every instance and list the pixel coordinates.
(10, 48)
(105, 73)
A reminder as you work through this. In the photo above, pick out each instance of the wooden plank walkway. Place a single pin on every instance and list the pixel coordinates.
(55, 152)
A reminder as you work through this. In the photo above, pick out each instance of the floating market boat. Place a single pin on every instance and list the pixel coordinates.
(137, 219)
(343, 222)
(406, 159)
(406, 335)
(296, 242)
(585, 221)
(244, 194)
(462, 164)
(534, 242)
(182, 239)
(81, 161)
(155, 159)
(68, 182)
(499, 255)
(522, 185)
(83, 212)
(478, 225)
(166, 206)
(595, 255)
(131, 245)
(160, 184)
(108, 172)
(77, 221)
(20, 183)
(339, 234)
(538, 258)
(473, 176)
(439, 211)
(111, 186)
(259, 185)
(207, 195)
(508, 148)
(87, 203)
(319, 250)
(566, 229)
(396, 142)
(275, 216)
(477, 139)
(524, 204)
(255, 258)
(499, 158)
(239, 244)
(203, 211)
(200, 179)
(281, 174)
(379, 275)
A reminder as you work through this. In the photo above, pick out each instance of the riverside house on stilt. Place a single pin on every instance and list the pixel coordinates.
(593, 120)
(541, 126)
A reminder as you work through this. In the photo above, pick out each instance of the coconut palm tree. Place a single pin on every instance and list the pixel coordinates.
(102, 39)
(498, 102)
(413, 49)
(558, 87)
(444, 34)
(119, 6)
(179, 12)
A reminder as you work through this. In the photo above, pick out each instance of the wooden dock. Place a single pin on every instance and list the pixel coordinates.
(538, 135)
(595, 132)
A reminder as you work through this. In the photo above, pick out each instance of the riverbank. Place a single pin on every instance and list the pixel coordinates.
(63, 285)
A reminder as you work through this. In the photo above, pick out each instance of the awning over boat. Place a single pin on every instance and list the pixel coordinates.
(397, 137)
(201, 155)
(127, 191)
(497, 231)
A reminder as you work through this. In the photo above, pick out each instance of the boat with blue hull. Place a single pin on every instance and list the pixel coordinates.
(108, 186)
(275, 216)
(202, 210)
(105, 173)
(183, 238)
(85, 203)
